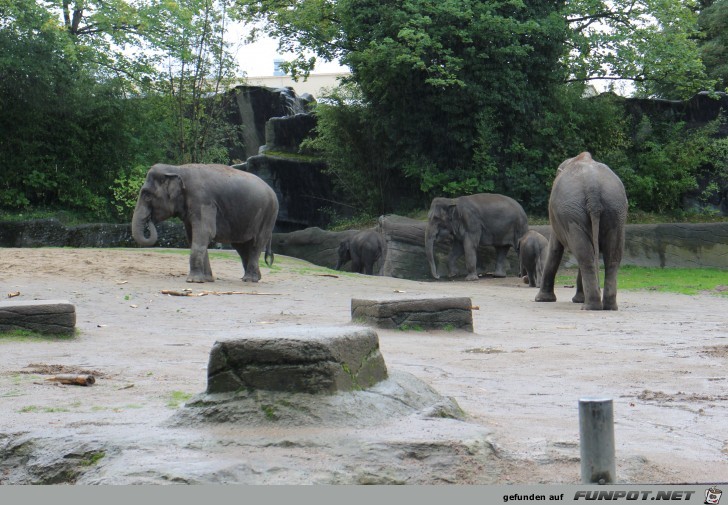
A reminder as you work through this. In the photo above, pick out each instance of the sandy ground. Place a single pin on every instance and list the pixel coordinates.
(662, 358)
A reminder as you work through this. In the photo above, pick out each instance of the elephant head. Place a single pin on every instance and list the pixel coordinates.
(344, 253)
(443, 223)
(161, 197)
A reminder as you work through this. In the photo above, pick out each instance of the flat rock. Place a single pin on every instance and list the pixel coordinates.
(307, 360)
(56, 317)
(401, 396)
(425, 313)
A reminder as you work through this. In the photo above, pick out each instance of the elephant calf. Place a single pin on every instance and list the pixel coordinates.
(215, 203)
(588, 213)
(470, 221)
(363, 249)
(532, 251)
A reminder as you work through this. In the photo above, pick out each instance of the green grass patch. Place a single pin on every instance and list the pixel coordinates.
(686, 281)
(410, 327)
(177, 398)
(30, 409)
(269, 411)
(30, 336)
(93, 458)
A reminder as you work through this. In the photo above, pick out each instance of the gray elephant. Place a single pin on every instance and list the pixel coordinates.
(364, 249)
(215, 203)
(532, 251)
(588, 212)
(470, 221)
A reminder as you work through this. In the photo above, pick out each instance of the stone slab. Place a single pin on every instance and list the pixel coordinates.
(301, 359)
(425, 313)
(55, 317)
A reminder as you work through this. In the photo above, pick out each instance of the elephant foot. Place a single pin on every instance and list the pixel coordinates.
(525, 279)
(592, 306)
(251, 279)
(545, 297)
(197, 278)
(609, 305)
(578, 298)
(471, 277)
(499, 275)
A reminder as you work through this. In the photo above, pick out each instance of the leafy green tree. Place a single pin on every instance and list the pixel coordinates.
(84, 100)
(428, 70)
(713, 22)
(649, 42)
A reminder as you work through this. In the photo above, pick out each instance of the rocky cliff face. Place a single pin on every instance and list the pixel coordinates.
(275, 122)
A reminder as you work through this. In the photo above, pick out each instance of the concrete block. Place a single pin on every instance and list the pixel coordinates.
(426, 313)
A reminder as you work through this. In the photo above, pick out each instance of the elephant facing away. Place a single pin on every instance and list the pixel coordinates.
(363, 249)
(532, 251)
(487, 219)
(215, 203)
(588, 213)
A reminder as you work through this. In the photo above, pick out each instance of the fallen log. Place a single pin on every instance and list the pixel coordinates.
(216, 293)
(74, 379)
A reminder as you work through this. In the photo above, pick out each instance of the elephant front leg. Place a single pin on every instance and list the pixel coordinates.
(200, 270)
(553, 260)
(471, 259)
(500, 264)
(589, 286)
(456, 251)
(200, 231)
(579, 296)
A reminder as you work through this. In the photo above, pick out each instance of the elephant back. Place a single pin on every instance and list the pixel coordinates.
(502, 219)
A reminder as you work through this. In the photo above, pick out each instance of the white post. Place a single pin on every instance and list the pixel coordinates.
(596, 433)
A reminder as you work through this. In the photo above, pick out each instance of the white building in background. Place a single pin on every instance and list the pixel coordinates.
(260, 63)
(314, 85)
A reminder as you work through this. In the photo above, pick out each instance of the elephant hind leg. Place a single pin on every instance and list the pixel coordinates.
(579, 295)
(609, 299)
(249, 255)
(500, 261)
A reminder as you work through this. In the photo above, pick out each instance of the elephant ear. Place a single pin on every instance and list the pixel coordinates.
(175, 187)
(455, 219)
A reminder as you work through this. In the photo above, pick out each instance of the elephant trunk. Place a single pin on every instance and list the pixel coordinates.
(430, 235)
(141, 221)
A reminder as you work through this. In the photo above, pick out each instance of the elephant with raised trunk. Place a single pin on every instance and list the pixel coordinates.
(588, 213)
(215, 203)
(364, 249)
(532, 251)
(467, 222)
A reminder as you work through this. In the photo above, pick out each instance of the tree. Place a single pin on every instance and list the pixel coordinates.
(713, 21)
(428, 70)
(85, 103)
(652, 43)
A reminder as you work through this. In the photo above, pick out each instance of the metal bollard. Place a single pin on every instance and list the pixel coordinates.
(596, 434)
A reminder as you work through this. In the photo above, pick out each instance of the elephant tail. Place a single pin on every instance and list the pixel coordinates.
(595, 219)
(269, 252)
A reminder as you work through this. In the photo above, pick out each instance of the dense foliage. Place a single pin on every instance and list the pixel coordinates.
(445, 97)
(92, 93)
(461, 97)
(713, 41)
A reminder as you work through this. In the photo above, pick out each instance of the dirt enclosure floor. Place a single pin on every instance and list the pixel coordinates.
(662, 358)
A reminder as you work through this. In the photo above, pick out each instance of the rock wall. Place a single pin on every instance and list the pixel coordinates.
(688, 245)
(663, 245)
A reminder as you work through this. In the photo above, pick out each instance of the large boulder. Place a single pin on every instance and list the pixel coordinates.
(297, 360)
(311, 244)
(423, 313)
(53, 317)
